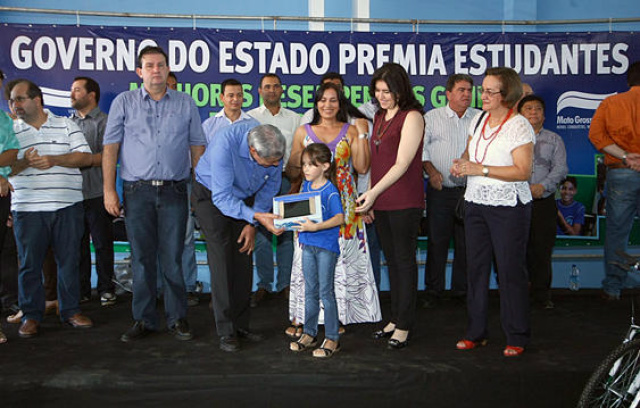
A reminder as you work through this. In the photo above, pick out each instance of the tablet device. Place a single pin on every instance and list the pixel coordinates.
(296, 207)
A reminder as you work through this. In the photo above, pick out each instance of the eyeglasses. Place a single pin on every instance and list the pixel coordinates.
(18, 99)
(489, 92)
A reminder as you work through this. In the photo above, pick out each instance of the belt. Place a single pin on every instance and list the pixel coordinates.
(159, 183)
(453, 188)
(617, 165)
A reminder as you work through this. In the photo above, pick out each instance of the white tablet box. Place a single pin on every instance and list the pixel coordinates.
(296, 207)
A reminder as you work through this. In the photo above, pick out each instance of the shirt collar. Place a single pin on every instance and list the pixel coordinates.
(243, 116)
(145, 94)
(92, 113)
(263, 109)
(451, 113)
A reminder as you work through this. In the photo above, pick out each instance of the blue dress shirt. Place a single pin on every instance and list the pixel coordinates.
(154, 136)
(232, 175)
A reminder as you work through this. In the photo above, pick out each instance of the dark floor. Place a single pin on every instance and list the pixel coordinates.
(67, 367)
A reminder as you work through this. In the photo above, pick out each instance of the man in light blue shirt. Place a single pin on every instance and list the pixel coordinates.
(231, 98)
(153, 129)
(236, 180)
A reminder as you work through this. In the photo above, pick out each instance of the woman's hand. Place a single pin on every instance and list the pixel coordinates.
(463, 167)
(365, 201)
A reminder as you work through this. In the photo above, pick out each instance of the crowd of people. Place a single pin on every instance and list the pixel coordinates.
(493, 176)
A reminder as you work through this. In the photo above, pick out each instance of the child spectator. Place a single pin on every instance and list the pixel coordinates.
(570, 212)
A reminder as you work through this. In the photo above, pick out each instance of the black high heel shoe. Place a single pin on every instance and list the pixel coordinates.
(381, 334)
(396, 344)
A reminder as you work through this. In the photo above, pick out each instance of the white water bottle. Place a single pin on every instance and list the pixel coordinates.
(574, 278)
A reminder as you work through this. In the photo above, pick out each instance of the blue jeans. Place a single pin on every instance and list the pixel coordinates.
(318, 267)
(35, 232)
(264, 254)
(156, 218)
(623, 203)
(189, 264)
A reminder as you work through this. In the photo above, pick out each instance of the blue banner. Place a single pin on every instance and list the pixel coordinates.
(573, 72)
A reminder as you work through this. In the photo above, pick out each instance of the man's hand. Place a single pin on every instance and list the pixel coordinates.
(5, 187)
(537, 190)
(40, 162)
(633, 161)
(248, 239)
(266, 219)
(112, 202)
(435, 180)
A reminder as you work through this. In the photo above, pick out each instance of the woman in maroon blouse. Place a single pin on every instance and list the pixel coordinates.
(396, 195)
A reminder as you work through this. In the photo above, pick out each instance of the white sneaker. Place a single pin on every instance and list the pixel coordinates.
(108, 299)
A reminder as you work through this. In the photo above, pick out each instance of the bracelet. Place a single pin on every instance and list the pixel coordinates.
(362, 136)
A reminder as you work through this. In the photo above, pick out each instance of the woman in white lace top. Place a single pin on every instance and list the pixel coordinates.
(498, 163)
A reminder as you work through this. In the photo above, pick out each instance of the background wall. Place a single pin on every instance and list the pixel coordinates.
(396, 9)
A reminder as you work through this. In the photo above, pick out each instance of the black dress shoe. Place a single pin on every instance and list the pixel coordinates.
(397, 344)
(247, 335)
(381, 334)
(229, 343)
(137, 331)
(180, 330)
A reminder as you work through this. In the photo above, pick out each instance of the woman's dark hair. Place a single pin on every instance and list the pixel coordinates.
(397, 79)
(319, 154)
(343, 115)
(511, 86)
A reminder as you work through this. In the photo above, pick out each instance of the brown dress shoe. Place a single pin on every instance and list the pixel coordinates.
(80, 321)
(28, 328)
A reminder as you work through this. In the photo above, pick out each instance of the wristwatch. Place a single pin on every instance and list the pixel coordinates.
(624, 158)
(485, 171)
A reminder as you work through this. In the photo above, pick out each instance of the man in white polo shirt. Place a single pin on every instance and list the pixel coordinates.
(47, 204)
(287, 121)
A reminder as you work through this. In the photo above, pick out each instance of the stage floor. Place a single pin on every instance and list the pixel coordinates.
(65, 367)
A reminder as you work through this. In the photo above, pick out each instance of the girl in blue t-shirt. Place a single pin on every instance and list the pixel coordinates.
(320, 250)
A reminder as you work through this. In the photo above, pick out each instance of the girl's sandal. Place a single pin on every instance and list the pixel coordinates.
(294, 331)
(513, 351)
(470, 345)
(305, 342)
(325, 352)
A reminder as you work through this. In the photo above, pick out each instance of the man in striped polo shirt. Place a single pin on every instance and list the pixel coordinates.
(46, 204)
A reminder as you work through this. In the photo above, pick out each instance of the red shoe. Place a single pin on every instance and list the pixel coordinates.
(469, 345)
(513, 351)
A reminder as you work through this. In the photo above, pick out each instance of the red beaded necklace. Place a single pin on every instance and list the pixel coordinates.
(491, 137)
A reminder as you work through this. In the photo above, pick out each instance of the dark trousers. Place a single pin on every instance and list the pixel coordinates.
(50, 273)
(398, 235)
(542, 238)
(156, 218)
(98, 227)
(441, 227)
(502, 232)
(9, 271)
(35, 233)
(231, 271)
(5, 208)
